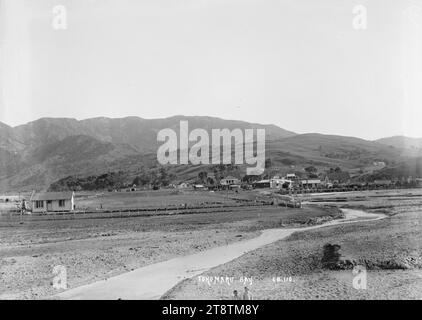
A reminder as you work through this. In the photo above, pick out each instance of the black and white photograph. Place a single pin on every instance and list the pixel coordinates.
(228, 150)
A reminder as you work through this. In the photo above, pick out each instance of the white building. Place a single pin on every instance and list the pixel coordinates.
(279, 183)
(291, 176)
(311, 183)
(183, 185)
(53, 201)
(228, 181)
(379, 163)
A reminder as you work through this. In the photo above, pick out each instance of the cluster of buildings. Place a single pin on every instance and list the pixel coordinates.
(65, 201)
(290, 181)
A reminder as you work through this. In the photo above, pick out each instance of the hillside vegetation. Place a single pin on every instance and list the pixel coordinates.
(35, 155)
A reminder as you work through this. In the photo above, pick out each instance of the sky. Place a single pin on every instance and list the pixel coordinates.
(298, 64)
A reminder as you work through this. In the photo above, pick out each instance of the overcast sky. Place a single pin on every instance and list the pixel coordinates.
(298, 64)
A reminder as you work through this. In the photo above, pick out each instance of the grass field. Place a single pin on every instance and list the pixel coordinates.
(96, 246)
(389, 249)
(150, 199)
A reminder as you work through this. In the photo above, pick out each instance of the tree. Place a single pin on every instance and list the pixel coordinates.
(163, 177)
(143, 178)
(202, 176)
(251, 178)
(210, 181)
(311, 169)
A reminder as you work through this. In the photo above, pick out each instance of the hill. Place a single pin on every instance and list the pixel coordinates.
(408, 168)
(331, 150)
(293, 154)
(139, 133)
(37, 154)
(401, 142)
(34, 155)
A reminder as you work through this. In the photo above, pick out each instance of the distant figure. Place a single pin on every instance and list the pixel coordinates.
(247, 295)
(235, 295)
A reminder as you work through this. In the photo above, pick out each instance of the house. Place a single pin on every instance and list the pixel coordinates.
(235, 186)
(291, 177)
(280, 183)
(311, 183)
(228, 181)
(53, 201)
(327, 183)
(382, 183)
(379, 164)
(261, 184)
(183, 185)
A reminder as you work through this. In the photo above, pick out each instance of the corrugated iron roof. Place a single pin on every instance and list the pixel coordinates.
(52, 196)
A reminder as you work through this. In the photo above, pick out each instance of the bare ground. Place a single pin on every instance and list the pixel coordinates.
(389, 249)
(93, 248)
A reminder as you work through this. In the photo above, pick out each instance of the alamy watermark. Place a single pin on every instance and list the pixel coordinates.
(177, 150)
(360, 19)
(413, 13)
(59, 21)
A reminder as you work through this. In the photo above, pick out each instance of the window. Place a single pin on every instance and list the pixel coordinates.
(61, 203)
(39, 204)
